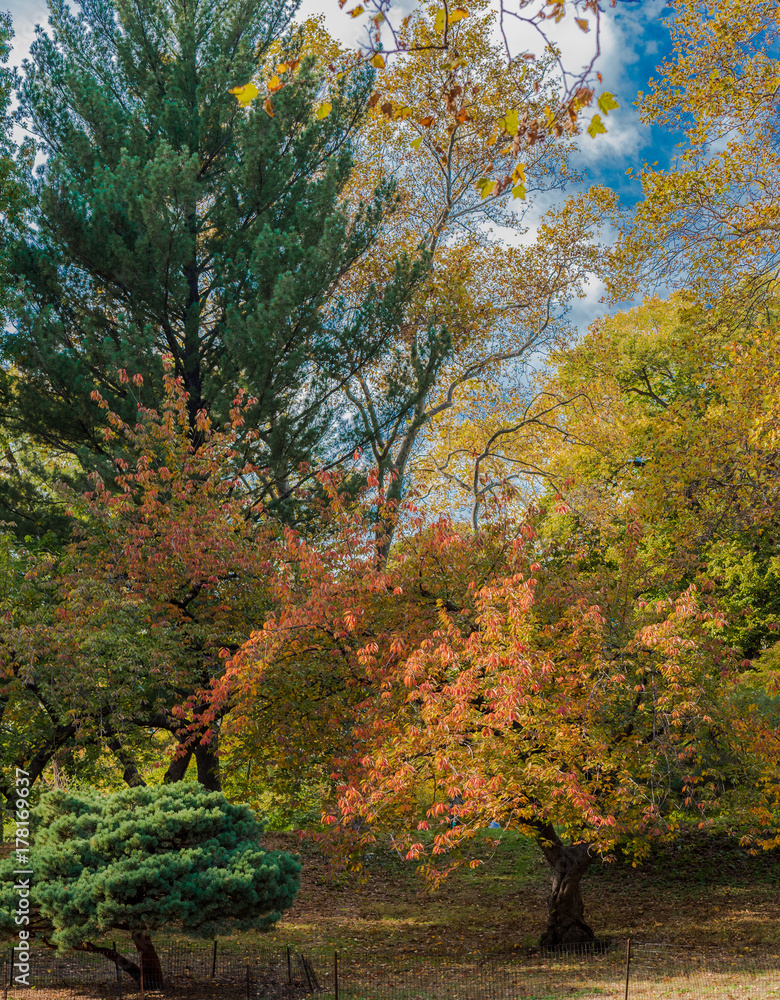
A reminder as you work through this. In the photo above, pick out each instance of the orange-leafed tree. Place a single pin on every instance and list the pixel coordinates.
(499, 678)
(168, 573)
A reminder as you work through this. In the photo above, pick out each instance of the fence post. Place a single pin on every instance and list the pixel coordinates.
(289, 966)
(118, 971)
(247, 984)
(336, 973)
(141, 963)
(5, 980)
(214, 960)
(628, 964)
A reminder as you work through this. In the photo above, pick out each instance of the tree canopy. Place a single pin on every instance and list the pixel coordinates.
(309, 479)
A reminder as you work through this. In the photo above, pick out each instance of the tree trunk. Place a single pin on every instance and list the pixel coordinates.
(208, 767)
(565, 908)
(148, 959)
(178, 768)
(133, 970)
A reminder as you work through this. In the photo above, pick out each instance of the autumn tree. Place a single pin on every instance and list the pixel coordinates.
(472, 148)
(145, 860)
(170, 570)
(585, 683)
(172, 217)
(711, 219)
(673, 422)
(522, 679)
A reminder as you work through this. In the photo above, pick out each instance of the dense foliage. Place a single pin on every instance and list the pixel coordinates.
(145, 860)
(307, 479)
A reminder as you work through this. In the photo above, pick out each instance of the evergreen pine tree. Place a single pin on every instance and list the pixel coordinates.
(169, 219)
(144, 860)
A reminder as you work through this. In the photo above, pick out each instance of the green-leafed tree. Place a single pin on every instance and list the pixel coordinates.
(675, 422)
(173, 857)
(170, 217)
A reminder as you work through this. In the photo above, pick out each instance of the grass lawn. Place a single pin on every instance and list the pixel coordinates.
(383, 921)
(697, 892)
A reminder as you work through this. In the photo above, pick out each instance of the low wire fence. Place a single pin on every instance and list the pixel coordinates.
(621, 970)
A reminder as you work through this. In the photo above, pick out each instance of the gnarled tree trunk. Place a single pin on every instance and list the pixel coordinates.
(565, 908)
(112, 955)
(149, 960)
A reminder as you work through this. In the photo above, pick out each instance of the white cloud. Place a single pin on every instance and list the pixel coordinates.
(26, 14)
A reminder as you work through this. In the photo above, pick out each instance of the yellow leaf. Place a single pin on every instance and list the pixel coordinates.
(282, 68)
(607, 102)
(356, 11)
(442, 19)
(518, 191)
(246, 94)
(405, 112)
(486, 187)
(268, 107)
(416, 143)
(582, 24)
(518, 174)
(510, 122)
(427, 121)
(378, 62)
(596, 126)
(274, 84)
(324, 108)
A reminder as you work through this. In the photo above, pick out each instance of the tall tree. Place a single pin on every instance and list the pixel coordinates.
(172, 217)
(474, 153)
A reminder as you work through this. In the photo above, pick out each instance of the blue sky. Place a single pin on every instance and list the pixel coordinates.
(636, 41)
